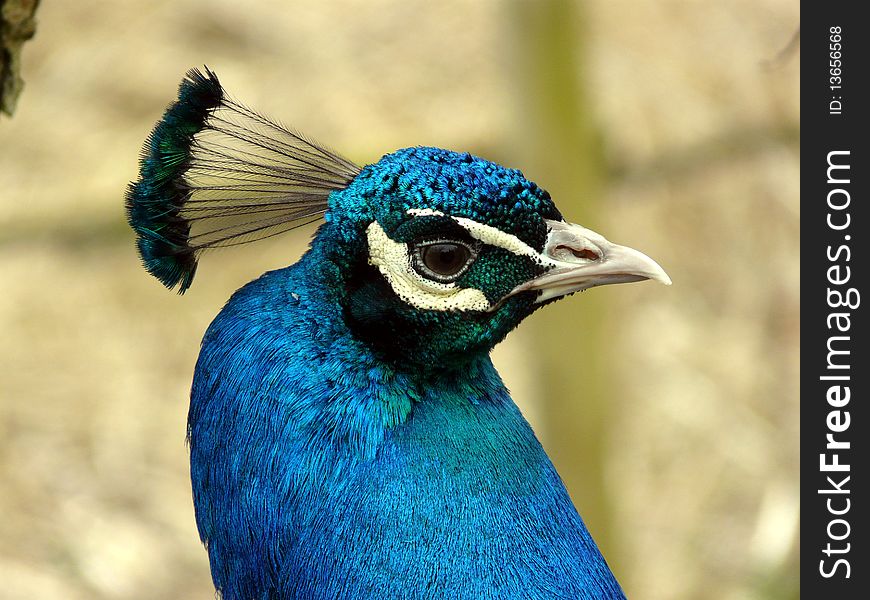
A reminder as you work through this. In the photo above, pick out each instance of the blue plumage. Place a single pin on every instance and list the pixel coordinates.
(320, 472)
(349, 435)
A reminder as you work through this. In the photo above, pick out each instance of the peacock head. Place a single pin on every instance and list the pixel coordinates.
(434, 256)
(446, 253)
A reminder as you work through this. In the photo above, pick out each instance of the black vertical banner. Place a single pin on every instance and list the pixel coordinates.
(835, 364)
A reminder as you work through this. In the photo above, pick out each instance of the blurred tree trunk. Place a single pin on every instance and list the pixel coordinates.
(17, 25)
(555, 130)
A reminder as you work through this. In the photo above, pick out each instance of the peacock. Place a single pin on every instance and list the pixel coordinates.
(349, 436)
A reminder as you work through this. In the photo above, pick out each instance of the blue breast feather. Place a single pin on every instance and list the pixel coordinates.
(319, 472)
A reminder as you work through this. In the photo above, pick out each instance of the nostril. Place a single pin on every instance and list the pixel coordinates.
(584, 253)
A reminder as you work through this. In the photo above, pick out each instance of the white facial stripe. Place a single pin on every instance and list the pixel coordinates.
(393, 261)
(489, 235)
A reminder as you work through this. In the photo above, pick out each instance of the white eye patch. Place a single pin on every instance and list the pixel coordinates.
(394, 262)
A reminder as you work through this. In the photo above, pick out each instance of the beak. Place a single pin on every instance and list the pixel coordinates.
(580, 259)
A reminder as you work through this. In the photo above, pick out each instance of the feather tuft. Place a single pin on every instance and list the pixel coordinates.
(215, 173)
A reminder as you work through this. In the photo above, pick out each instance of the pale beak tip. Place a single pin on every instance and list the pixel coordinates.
(660, 276)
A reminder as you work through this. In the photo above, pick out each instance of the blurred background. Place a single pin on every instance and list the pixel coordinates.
(668, 125)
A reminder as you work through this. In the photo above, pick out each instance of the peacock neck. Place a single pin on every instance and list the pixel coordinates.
(294, 421)
(287, 332)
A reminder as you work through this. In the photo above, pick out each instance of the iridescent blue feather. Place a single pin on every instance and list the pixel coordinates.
(344, 445)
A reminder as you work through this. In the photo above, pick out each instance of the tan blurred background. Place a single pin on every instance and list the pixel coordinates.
(672, 413)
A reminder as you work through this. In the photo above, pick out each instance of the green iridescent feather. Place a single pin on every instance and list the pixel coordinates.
(154, 203)
(215, 173)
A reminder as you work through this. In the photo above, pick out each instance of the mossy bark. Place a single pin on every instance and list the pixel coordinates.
(17, 25)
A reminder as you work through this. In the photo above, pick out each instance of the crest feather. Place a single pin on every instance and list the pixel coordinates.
(215, 173)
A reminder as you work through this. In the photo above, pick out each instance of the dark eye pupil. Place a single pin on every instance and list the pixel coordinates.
(445, 259)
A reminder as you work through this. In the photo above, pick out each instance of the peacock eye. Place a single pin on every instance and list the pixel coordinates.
(443, 261)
